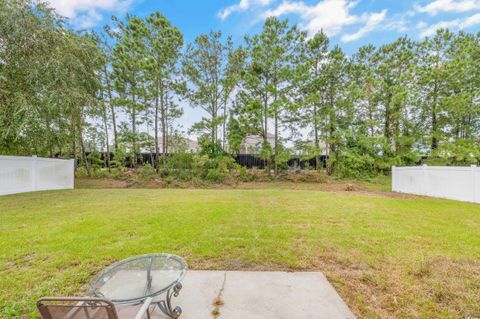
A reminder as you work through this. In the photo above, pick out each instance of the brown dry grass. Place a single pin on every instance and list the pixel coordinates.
(393, 288)
(302, 180)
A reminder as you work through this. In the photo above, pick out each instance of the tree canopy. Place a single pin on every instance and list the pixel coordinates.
(70, 94)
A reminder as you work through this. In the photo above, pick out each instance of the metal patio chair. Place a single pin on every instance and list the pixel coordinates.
(91, 308)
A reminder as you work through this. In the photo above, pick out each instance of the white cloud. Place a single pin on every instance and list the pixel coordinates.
(86, 13)
(437, 6)
(373, 20)
(394, 24)
(243, 5)
(331, 16)
(421, 25)
(453, 25)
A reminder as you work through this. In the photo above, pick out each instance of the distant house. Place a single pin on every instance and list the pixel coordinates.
(252, 144)
(179, 143)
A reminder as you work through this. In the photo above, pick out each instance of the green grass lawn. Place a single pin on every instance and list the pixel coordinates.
(388, 257)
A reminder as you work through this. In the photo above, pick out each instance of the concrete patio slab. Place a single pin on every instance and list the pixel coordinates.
(256, 295)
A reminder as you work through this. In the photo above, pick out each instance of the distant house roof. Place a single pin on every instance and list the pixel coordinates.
(253, 143)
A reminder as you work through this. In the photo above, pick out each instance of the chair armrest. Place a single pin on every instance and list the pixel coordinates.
(144, 308)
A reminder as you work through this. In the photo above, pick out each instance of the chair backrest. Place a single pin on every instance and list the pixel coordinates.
(76, 308)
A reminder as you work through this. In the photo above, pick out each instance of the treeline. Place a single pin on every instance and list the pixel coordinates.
(68, 93)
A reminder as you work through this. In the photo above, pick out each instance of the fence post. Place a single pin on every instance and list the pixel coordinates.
(424, 180)
(476, 187)
(72, 161)
(33, 173)
(394, 185)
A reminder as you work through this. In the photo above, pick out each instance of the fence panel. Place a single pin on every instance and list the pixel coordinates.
(458, 183)
(29, 174)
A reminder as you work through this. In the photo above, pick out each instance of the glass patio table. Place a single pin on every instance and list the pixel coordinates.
(135, 279)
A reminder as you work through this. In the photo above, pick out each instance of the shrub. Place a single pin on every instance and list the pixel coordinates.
(353, 165)
(165, 172)
(95, 159)
(116, 173)
(183, 174)
(214, 169)
(226, 163)
(101, 172)
(81, 172)
(169, 180)
(259, 175)
(181, 160)
(244, 175)
(119, 158)
(201, 165)
(214, 175)
(306, 176)
(459, 153)
(146, 172)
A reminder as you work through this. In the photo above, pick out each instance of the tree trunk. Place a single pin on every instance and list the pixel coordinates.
(224, 129)
(84, 153)
(434, 143)
(107, 142)
(265, 118)
(157, 151)
(145, 102)
(276, 133)
(74, 149)
(114, 124)
(164, 111)
(276, 145)
(265, 130)
(333, 144)
(164, 130)
(215, 130)
(387, 123)
(315, 122)
(370, 117)
(167, 132)
(134, 130)
(74, 142)
(317, 140)
(214, 127)
(50, 136)
(112, 110)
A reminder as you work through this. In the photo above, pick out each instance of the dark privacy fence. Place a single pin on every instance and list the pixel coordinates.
(251, 161)
(245, 160)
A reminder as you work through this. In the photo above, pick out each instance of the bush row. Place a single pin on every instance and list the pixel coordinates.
(197, 168)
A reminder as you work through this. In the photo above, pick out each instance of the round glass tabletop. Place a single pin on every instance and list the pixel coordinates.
(137, 278)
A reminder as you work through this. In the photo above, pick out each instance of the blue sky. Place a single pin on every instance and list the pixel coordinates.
(349, 23)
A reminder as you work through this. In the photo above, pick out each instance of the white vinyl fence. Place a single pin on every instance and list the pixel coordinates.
(459, 183)
(28, 174)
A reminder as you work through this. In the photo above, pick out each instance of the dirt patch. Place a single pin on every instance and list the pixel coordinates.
(335, 187)
(22, 261)
(341, 187)
(83, 182)
(391, 194)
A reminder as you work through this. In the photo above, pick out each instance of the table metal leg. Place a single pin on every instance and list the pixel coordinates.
(166, 305)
